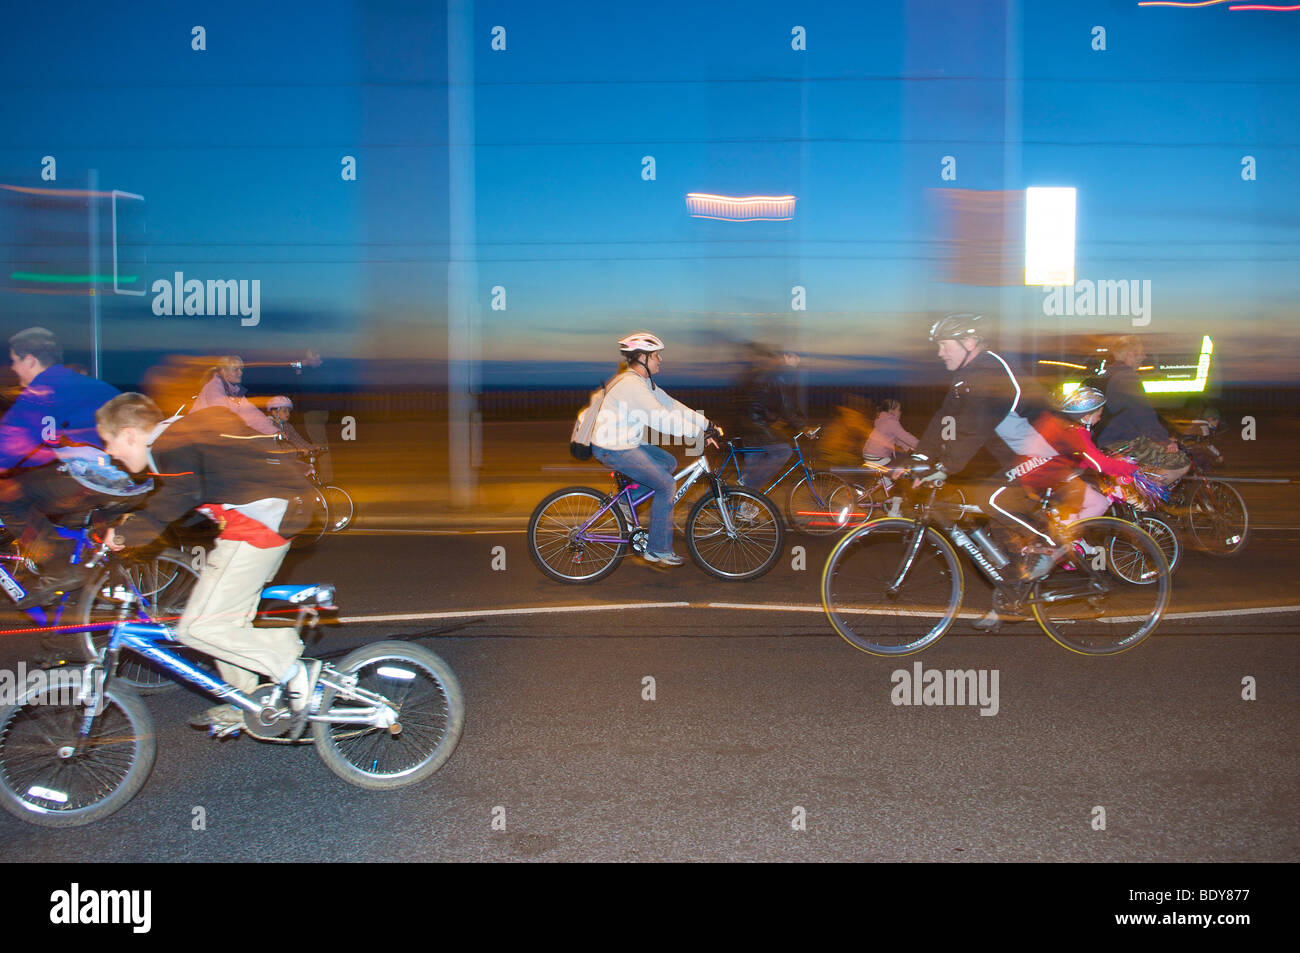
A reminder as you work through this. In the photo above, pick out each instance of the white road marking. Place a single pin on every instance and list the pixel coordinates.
(767, 607)
(540, 610)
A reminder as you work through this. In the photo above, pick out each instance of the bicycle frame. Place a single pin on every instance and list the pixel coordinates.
(684, 478)
(147, 639)
(800, 463)
(1093, 583)
(43, 615)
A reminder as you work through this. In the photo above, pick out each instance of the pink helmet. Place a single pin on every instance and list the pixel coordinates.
(280, 401)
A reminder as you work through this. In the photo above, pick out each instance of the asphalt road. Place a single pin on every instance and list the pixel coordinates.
(757, 713)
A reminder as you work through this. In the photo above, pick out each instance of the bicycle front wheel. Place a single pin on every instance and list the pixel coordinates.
(749, 549)
(42, 780)
(430, 715)
(1165, 536)
(810, 506)
(339, 507)
(165, 582)
(1110, 592)
(1217, 518)
(882, 603)
(560, 546)
(320, 521)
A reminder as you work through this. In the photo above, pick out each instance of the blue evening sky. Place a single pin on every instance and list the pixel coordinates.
(237, 150)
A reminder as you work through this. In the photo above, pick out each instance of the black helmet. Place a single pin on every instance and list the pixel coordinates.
(954, 327)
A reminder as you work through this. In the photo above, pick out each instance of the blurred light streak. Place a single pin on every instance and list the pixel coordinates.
(68, 279)
(751, 208)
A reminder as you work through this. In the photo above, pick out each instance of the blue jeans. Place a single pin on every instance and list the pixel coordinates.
(763, 464)
(653, 468)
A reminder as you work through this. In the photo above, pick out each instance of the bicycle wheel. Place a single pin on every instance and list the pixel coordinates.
(1165, 536)
(339, 507)
(311, 533)
(430, 713)
(562, 550)
(753, 546)
(41, 782)
(1217, 518)
(165, 582)
(859, 594)
(810, 504)
(1116, 606)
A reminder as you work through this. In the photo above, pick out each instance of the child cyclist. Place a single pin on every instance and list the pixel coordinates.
(212, 461)
(1067, 429)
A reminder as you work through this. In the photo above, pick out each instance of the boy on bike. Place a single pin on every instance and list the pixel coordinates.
(209, 460)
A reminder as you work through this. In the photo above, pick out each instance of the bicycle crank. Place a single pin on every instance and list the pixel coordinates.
(268, 721)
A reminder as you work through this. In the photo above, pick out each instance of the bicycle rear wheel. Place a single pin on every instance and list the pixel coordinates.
(865, 609)
(41, 782)
(559, 546)
(430, 712)
(1217, 518)
(165, 581)
(810, 504)
(1116, 605)
(340, 508)
(750, 549)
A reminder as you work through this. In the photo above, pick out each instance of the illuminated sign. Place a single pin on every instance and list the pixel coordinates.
(752, 208)
(1049, 236)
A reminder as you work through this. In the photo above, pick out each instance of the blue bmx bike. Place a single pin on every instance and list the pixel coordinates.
(79, 744)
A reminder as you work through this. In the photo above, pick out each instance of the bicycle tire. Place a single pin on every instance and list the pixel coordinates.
(339, 508)
(754, 547)
(809, 504)
(1165, 536)
(431, 710)
(166, 580)
(1096, 623)
(310, 534)
(856, 580)
(40, 787)
(1218, 519)
(552, 536)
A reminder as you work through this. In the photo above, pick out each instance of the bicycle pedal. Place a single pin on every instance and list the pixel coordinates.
(224, 731)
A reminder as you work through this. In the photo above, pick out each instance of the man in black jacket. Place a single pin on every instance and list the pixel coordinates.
(987, 405)
(212, 461)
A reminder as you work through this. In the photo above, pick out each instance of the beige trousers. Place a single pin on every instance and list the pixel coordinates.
(219, 617)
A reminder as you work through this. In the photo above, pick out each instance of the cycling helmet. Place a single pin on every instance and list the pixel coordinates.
(280, 401)
(642, 341)
(1081, 400)
(954, 327)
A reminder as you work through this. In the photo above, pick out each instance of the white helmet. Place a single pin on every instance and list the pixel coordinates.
(280, 401)
(640, 341)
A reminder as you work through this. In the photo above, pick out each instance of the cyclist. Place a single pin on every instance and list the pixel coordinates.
(1132, 422)
(278, 409)
(632, 404)
(766, 401)
(986, 406)
(1067, 430)
(206, 460)
(888, 435)
(224, 388)
(57, 406)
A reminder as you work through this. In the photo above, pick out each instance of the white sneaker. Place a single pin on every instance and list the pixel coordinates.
(747, 511)
(300, 684)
